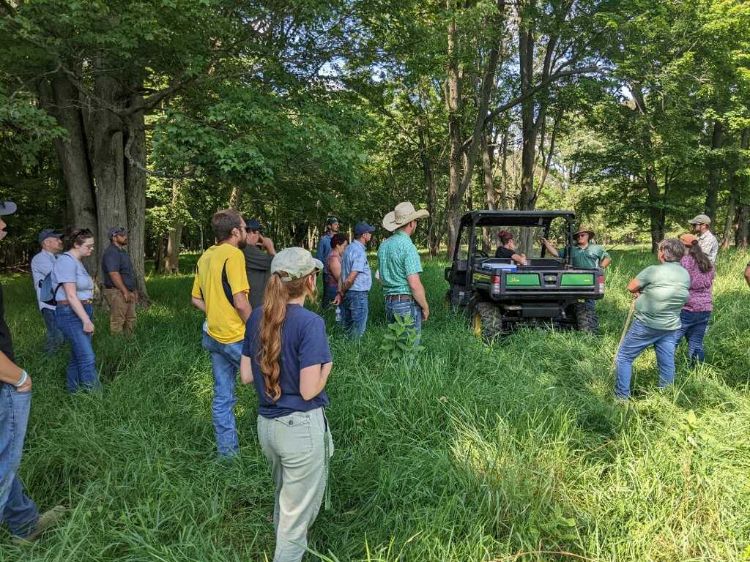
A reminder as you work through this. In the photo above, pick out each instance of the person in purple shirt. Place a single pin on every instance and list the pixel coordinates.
(697, 311)
(286, 357)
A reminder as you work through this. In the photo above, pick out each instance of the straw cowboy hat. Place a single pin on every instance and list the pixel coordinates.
(403, 214)
(584, 229)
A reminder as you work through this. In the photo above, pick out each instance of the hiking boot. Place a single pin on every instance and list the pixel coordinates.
(46, 520)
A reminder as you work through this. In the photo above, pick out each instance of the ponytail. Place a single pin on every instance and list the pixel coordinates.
(275, 299)
(697, 253)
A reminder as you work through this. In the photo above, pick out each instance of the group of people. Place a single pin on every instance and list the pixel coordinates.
(282, 348)
(256, 324)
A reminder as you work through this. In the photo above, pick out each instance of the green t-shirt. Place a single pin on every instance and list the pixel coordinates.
(588, 257)
(397, 259)
(664, 291)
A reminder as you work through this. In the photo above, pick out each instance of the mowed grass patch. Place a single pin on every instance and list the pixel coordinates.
(509, 451)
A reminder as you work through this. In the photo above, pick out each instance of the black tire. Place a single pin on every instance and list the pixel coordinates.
(486, 321)
(586, 320)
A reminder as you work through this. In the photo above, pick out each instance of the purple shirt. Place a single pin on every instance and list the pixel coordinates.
(700, 299)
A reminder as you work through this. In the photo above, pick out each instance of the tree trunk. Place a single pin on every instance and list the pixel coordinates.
(135, 196)
(235, 198)
(455, 162)
(431, 191)
(741, 236)
(656, 213)
(61, 100)
(528, 128)
(714, 170)
(174, 237)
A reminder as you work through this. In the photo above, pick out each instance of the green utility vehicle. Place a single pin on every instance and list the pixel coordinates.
(498, 295)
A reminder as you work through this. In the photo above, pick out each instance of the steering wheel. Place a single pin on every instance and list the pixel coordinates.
(481, 254)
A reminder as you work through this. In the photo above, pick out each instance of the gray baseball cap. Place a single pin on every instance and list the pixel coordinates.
(295, 262)
(700, 219)
(7, 208)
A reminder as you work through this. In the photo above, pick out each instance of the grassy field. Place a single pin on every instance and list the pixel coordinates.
(515, 451)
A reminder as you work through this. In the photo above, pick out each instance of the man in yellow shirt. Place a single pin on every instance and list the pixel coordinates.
(221, 290)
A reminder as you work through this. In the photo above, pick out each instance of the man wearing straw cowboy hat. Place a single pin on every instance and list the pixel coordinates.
(584, 255)
(400, 266)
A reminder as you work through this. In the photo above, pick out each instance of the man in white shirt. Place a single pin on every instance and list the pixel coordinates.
(707, 241)
(41, 266)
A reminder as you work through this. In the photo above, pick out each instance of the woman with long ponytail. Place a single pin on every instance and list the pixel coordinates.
(287, 358)
(697, 311)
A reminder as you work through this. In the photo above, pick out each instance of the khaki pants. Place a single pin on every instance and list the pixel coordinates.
(121, 313)
(298, 447)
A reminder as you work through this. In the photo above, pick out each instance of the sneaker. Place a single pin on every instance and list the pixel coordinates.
(46, 520)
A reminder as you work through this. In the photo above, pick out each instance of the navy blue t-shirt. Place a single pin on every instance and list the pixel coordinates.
(303, 344)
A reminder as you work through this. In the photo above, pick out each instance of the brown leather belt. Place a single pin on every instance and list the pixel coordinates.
(67, 303)
(398, 298)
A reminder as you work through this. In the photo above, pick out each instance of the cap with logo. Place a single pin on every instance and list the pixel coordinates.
(362, 228)
(295, 263)
(700, 219)
(48, 233)
(7, 208)
(116, 230)
(331, 220)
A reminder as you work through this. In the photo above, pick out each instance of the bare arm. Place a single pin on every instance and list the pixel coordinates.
(246, 370)
(242, 305)
(417, 292)
(747, 274)
(520, 259)
(75, 304)
(550, 248)
(312, 380)
(11, 373)
(604, 264)
(200, 304)
(634, 286)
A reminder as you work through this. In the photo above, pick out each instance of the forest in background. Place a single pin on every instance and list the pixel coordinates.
(152, 114)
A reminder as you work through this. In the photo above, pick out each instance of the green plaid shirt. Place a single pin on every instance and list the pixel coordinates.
(398, 258)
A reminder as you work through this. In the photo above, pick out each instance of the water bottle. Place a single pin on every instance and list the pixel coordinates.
(338, 313)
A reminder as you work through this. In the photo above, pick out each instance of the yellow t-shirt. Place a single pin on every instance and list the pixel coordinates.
(224, 322)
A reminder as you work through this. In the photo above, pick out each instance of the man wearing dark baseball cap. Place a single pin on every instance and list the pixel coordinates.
(356, 282)
(258, 255)
(324, 248)
(119, 283)
(41, 267)
(17, 510)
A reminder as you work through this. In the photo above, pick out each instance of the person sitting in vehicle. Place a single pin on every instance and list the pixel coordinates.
(507, 248)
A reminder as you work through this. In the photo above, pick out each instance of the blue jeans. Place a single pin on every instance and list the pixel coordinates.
(638, 338)
(355, 309)
(403, 309)
(81, 373)
(225, 363)
(17, 511)
(693, 329)
(54, 337)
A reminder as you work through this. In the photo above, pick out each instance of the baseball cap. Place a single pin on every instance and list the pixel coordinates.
(115, 230)
(331, 220)
(48, 233)
(253, 224)
(688, 239)
(361, 228)
(295, 262)
(7, 208)
(700, 219)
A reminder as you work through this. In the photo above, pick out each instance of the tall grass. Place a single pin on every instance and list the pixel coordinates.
(514, 451)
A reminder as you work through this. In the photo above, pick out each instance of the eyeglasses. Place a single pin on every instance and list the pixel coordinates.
(248, 229)
(89, 246)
